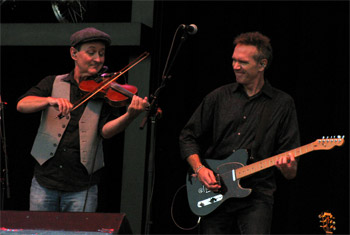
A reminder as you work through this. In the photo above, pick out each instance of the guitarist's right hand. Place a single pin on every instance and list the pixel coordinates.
(208, 179)
(205, 175)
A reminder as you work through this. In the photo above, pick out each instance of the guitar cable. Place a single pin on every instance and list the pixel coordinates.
(172, 214)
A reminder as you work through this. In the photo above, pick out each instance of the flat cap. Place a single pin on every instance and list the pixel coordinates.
(88, 35)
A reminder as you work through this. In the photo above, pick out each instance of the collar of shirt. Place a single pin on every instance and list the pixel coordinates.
(70, 78)
(266, 89)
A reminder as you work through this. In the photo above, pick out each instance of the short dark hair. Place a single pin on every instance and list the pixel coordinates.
(260, 41)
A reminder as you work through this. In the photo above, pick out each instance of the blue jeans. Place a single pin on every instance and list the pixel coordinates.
(239, 216)
(43, 199)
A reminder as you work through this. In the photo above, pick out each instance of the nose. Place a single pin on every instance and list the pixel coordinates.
(236, 65)
(99, 58)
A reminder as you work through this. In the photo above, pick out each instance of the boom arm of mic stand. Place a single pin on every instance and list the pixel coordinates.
(153, 109)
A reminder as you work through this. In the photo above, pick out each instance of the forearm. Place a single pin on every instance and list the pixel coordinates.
(31, 104)
(117, 125)
(137, 106)
(194, 161)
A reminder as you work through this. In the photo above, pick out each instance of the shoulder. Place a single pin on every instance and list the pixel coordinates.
(218, 95)
(282, 101)
(276, 94)
(282, 96)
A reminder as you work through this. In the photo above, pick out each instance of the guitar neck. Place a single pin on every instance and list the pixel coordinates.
(269, 162)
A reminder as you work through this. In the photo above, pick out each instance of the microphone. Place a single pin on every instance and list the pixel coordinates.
(190, 29)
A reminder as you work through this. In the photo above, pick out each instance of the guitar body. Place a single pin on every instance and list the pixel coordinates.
(203, 201)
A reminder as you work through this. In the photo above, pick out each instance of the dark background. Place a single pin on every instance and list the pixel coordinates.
(311, 63)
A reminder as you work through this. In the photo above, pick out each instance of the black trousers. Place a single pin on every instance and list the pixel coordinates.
(251, 215)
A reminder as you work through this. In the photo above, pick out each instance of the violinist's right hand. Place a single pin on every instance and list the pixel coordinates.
(31, 104)
(61, 104)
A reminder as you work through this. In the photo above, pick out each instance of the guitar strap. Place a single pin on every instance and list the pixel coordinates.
(261, 129)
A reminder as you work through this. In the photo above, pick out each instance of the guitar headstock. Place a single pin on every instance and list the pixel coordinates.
(328, 142)
(327, 221)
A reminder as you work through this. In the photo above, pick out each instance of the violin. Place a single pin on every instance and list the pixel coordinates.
(116, 95)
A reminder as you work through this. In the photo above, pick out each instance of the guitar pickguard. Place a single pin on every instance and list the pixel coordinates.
(203, 201)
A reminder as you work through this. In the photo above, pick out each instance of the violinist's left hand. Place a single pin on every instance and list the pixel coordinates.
(115, 126)
(287, 165)
(137, 106)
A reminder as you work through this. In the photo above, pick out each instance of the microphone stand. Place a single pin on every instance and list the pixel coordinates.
(153, 114)
(4, 179)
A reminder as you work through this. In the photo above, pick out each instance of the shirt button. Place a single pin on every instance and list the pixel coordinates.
(239, 133)
(61, 166)
(244, 117)
(64, 150)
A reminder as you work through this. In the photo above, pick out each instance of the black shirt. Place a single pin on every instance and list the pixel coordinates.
(64, 171)
(227, 120)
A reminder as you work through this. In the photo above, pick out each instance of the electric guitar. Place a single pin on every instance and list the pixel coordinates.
(328, 222)
(230, 170)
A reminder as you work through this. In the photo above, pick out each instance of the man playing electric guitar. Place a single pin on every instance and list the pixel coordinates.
(248, 114)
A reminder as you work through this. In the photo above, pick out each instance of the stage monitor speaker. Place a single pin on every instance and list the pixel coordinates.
(42, 222)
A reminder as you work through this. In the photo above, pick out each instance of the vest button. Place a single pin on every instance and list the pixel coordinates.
(55, 145)
(51, 154)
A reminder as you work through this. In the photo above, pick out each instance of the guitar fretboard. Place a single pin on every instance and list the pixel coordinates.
(269, 162)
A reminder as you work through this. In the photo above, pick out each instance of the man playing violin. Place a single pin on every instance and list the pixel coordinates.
(228, 119)
(68, 150)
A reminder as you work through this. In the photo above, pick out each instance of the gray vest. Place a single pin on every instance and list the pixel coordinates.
(51, 130)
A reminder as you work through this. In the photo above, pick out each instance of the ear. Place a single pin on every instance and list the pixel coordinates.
(73, 53)
(263, 64)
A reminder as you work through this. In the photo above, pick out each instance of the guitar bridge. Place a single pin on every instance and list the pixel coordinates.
(210, 201)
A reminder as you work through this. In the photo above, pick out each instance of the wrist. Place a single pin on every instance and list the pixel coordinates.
(200, 167)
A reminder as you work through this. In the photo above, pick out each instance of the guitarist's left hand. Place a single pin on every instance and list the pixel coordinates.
(287, 165)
